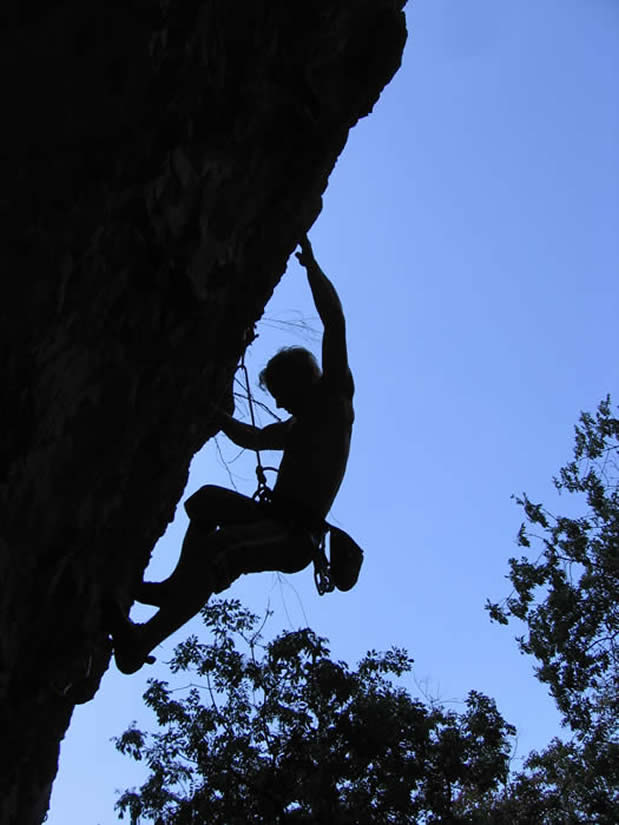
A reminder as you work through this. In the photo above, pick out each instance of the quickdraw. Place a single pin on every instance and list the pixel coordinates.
(323, 577)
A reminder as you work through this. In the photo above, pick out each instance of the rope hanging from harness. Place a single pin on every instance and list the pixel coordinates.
(263, 492)
(323, 577)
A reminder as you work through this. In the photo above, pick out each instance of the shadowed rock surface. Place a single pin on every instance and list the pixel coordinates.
(158, 168)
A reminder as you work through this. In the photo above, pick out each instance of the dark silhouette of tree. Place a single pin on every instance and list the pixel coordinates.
(281, 733)
(568, 597)
(568, 783)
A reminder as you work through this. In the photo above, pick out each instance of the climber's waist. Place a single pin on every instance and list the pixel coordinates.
(295, 515)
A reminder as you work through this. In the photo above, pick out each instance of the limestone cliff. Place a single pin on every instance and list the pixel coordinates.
(160, 161)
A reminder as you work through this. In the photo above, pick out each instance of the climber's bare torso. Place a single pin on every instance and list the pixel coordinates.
(316, 444)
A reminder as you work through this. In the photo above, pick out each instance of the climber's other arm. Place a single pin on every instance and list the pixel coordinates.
(271, 437)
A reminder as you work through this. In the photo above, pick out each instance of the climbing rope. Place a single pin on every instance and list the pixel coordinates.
(263, 493)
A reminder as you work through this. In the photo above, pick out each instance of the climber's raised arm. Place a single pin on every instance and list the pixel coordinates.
(334, 351)
(271, 437)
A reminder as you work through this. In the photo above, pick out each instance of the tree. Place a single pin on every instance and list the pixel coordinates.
(281, 733)
(568, 783)
(568, 598)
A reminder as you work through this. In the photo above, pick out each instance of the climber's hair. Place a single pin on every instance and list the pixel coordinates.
(290, 361)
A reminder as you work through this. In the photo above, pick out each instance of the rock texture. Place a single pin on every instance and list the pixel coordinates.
(160, 161)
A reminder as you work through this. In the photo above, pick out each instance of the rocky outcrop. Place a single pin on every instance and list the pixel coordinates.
(160, 161)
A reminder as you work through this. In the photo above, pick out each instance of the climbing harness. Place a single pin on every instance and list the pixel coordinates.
(323, 577)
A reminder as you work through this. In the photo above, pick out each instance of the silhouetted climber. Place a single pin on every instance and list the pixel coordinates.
(230, 534)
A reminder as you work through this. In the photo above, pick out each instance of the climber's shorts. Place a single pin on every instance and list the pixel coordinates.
(297, 518)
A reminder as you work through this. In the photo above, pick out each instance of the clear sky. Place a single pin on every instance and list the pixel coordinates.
(470, 227)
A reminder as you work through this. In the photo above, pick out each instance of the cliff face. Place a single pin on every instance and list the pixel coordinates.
(160, 162)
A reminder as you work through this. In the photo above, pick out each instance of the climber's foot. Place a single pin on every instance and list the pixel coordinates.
(130, 649)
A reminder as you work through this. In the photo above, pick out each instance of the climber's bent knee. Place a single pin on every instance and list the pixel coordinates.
(202, 503)
(213, 503)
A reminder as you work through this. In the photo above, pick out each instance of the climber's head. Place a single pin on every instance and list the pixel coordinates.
(291, 376)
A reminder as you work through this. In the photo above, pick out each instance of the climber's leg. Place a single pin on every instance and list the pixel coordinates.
(212, 505)
(180, 597)
(195, 544)
(207, 508)
(266, 545)
(225, 555)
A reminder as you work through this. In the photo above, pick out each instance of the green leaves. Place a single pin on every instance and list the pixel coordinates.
(568, 596)
(131, 743)
(280, 732)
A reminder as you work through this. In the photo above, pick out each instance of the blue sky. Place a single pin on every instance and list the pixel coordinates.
(470, 228)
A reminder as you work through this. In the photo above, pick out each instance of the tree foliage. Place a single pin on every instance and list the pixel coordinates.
(281, 733)
(569, 596)
(568, 783)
